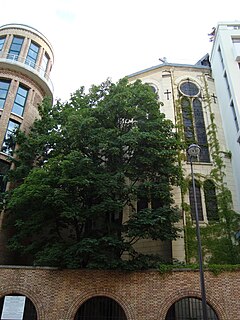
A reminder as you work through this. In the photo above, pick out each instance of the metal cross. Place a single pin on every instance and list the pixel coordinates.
(167, 93)
(214, 98)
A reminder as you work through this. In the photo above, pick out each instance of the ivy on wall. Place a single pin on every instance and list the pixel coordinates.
(218, 236)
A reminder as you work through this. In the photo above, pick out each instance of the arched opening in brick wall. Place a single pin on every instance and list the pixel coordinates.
(17, 306)
(100, 308)
(189, 308)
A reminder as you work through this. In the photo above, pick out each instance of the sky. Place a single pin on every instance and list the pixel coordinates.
(94, 40)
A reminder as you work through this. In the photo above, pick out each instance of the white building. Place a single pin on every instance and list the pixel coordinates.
(225, 63)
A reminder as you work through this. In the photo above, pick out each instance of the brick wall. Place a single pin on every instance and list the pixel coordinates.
(57, 294)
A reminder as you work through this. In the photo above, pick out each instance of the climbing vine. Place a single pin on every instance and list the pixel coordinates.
(218, 236)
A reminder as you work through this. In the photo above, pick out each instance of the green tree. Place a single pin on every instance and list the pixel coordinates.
(85, 162)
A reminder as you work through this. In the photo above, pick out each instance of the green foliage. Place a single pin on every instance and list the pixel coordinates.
(218, 237)
(165, 268)
(216, 269)
(81, 165)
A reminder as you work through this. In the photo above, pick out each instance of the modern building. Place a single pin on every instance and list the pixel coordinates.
(26, 59)
(225, 63)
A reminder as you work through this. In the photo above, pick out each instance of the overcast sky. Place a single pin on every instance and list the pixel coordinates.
(94, 40)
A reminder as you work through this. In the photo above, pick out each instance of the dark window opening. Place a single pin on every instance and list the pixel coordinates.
(198, 198)
(4, 167)
(189, 309)
(100, 308)
(200, 130)
(210, 200)
(234, 116)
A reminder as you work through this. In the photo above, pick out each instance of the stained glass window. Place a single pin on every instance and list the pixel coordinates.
(193, 119)
(200, 130)
(189, 89)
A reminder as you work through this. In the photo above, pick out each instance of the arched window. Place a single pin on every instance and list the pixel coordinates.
(193, 119)
(23, 306)
(100, 308)
(200, 130)
(192, 202)
(210, 200)
(188, 309)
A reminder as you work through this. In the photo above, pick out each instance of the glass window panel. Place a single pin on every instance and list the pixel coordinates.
(34, 48)
(8, 143)
(189, 89)
(4, 86)
(234, 116)
(32, 54)
(2, 40)
(12, 126)
(20, 100)
(44, 64)
(22, 91)
(15, 46)
(3, 94)
(18, 40)
(17, 109)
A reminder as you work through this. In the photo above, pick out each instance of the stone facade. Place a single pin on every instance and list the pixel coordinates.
(166, 79)
(58, 294)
